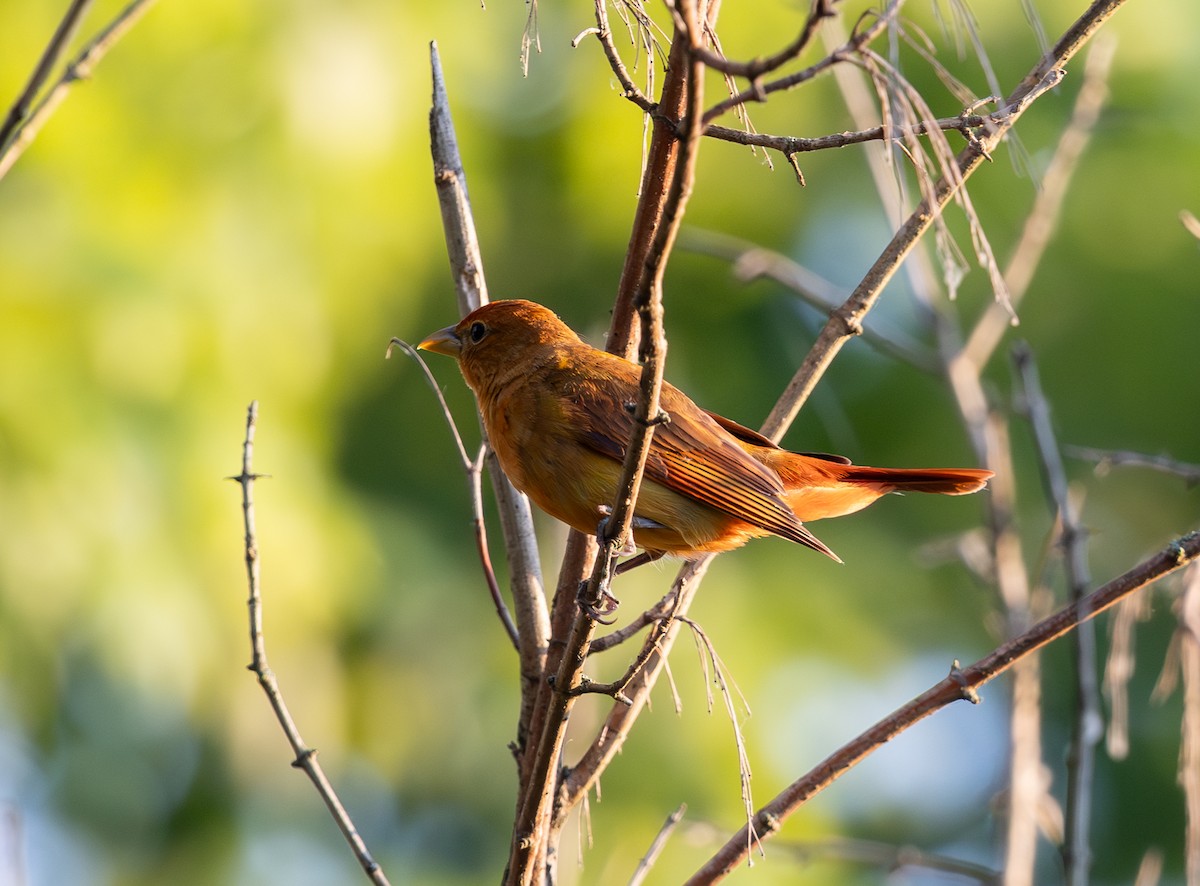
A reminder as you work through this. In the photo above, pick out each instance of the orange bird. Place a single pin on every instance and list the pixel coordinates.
(555, 410)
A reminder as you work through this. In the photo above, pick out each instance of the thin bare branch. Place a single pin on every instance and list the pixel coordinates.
(603, 32)
(23, 125)
(473, 468)
(306, 757)
(54, 50)
(754, 69)
(609, 740)
(885, 856)
(1189, 754)
(846, 321)
(959, 685)
(1089, 722)
(788, 145)
(656, 847)
(458, 222)
(758, 91)
(661, 625)
(654, 614)
(1107, 459)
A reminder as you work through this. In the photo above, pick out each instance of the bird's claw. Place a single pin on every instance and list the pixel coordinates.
(601, 611)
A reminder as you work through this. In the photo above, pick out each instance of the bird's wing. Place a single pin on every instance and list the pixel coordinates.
(745, 434)
(691, 454)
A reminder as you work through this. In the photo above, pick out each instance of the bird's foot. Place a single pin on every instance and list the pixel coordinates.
(603, 536)
(601, 610)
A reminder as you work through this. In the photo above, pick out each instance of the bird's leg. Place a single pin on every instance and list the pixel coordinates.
(607, 604)
(602, 535)
(640, 560)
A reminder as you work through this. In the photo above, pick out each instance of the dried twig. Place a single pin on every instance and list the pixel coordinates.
(630, 90)
(22, 124)
(656, 847)
(708, 655)
(473, 468)
(306, 757)
(1106, 459)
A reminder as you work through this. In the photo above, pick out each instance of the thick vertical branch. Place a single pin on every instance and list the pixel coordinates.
(538, 823)
(657, 177)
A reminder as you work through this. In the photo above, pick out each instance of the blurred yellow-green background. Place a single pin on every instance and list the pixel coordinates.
(240, 206)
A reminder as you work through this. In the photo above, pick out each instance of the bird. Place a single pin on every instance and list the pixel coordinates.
(558, 414)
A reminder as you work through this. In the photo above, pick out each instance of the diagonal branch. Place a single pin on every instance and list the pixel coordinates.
(846, 321)
(23, 124)
(960, 684)
(63, 34)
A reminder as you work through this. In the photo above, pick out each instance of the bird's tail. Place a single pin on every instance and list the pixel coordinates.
(942, 481)
(818, 488)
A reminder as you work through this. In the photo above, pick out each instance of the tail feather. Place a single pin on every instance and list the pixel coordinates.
(837, 490)
(942, 481)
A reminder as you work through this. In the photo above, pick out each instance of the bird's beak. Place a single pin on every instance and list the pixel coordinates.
(444, 341)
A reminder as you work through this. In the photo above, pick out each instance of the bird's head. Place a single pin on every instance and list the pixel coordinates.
(500, 338)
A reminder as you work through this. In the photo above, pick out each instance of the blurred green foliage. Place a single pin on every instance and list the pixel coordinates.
(240, 206)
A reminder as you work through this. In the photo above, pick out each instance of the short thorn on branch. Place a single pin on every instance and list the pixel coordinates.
(246, 478)
(303, 758)
(965, 690)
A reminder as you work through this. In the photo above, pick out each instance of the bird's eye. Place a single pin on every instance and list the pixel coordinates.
(477, 331)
